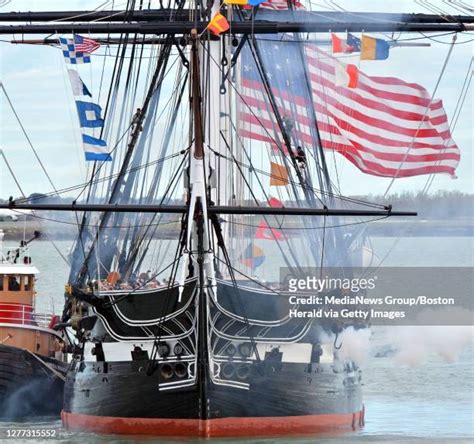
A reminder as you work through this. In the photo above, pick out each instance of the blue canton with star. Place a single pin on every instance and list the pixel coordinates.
(353, 41)
(283, 66)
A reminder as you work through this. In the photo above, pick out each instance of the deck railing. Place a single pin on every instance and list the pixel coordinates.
(23, 314)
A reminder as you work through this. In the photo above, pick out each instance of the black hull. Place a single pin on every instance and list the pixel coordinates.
(126, 397)
(265, 376)
(28, 388)
(127, 392)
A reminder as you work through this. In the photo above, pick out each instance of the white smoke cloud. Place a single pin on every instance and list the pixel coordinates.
(409, 345)
(416, 344)
(355, 344)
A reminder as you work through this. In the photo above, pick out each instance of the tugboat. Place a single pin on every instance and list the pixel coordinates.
(32, 358)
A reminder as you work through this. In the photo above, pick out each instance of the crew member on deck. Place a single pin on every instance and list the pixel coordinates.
(122, 262)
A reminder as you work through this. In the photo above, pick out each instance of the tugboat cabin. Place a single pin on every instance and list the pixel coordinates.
(20, 325)
(33, 361)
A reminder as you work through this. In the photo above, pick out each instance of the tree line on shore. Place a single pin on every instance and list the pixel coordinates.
(440, 205)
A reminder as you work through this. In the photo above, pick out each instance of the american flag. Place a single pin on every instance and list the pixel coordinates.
(84, 44)
(280, 5)
(385, 126)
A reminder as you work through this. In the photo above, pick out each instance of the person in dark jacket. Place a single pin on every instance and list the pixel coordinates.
(300, 158)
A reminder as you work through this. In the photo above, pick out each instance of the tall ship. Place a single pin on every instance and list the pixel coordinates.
(32, 354)
(215, 143)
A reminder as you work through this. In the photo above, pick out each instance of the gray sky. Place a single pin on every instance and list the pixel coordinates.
(35, 78)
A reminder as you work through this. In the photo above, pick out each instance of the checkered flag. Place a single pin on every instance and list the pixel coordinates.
(70, 54)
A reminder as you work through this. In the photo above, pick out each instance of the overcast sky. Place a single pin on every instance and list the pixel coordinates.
(35, 78)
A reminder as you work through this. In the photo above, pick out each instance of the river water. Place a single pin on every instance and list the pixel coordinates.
(433, 401)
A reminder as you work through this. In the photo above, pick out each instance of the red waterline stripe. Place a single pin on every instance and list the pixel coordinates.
(220, 427)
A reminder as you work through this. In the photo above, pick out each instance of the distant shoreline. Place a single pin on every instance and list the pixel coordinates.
(15, 231)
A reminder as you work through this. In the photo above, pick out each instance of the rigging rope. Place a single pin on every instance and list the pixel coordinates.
(102, 179)
(33, 213)
(27, 137)
(281, 227)
(455, 117)
(255, 199)
(265, 173)
(65, 222)
(443, 69)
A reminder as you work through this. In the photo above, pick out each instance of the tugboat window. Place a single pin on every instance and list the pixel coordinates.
(1, 282)
(14, 283)
(28, 282)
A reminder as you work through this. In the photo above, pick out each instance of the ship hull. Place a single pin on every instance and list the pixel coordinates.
(295, 399)
(28, 387)
(210, 373)
(219, 427)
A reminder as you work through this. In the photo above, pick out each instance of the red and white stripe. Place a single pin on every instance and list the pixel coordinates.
(88, 45)
(385, 126)
(281, 5)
